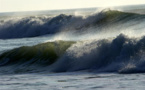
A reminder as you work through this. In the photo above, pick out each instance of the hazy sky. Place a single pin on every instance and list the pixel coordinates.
(29, 5)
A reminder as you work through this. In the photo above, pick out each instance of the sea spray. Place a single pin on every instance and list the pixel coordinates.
(103, 21)
(122, 54)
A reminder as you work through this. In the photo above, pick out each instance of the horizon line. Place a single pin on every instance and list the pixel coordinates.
(67, 9)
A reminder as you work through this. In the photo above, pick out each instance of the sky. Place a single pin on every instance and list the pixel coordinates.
(33, 5)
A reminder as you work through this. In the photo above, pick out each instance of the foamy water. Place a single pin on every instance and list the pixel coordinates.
(72, 81)
(73, 50)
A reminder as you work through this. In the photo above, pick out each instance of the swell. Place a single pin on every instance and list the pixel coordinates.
(41, 25)
(120, 54)
(40, 55)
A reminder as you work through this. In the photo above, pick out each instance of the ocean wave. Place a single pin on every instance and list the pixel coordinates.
(33, 26)
(41, 54)
(120, 54)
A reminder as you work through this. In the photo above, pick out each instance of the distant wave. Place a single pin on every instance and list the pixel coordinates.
(37, 26)
(121, 54)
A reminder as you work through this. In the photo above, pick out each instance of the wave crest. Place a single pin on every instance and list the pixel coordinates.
(37, 26)
(121, 54)
(41, 54)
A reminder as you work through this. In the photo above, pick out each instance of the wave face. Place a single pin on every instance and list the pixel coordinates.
(39, 55)
(121, 54)
(33, 26)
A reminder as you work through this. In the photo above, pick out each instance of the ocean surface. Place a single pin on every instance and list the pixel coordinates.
(78, 49)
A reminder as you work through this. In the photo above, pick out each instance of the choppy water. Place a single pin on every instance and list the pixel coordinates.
(73, 81)
(73, 50)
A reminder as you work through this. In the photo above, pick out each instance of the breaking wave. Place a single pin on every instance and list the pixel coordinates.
(107, 41)
(120, 54)
(105, 20)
